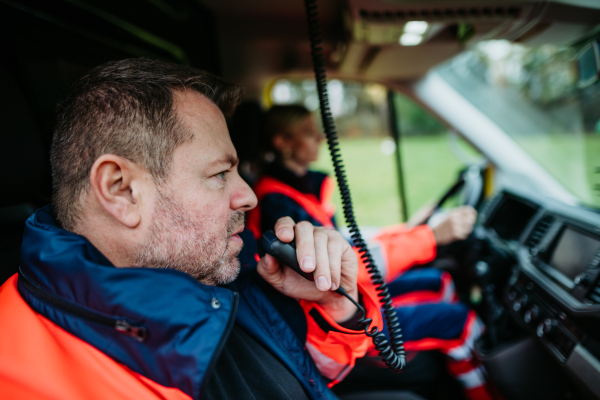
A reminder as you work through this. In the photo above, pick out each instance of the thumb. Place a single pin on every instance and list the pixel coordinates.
(268, 268)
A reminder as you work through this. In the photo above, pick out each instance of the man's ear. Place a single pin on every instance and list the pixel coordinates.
(280, 142)
(116, 183)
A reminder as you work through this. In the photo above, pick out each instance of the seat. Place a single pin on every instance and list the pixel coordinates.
(246, 127)
(425, 374)
(23, 167)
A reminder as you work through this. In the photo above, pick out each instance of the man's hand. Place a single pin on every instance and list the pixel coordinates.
(456, 225)
(326, 254)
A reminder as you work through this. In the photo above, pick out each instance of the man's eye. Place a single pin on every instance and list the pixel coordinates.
(221, 175)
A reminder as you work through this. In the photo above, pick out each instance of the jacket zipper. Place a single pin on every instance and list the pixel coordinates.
(120, 325)
(221, 343)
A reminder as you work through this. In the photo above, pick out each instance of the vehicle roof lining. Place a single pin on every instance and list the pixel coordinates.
(267, 38)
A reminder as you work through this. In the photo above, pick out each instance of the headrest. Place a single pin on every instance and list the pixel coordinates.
(246, 130)
(23, 160)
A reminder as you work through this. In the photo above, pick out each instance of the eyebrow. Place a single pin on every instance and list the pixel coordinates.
(228, 159)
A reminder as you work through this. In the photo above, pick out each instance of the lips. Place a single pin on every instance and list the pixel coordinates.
(235, 235)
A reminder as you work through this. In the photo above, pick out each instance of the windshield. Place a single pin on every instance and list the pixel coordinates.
(532, 94)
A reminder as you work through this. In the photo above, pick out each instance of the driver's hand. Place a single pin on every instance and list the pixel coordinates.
(326, 254)
(457, 224)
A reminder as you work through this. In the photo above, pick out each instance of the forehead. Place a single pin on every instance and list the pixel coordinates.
(207, 123)
(307, 123)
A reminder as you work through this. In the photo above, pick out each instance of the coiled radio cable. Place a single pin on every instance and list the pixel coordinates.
(393, 355)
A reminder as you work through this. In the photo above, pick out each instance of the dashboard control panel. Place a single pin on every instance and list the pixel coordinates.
(537, 314)
(554, 288)
(568, 252)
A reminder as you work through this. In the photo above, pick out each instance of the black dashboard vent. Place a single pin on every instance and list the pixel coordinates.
(539, 231)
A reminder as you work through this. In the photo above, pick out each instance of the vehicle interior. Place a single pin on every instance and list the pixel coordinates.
(514, 86)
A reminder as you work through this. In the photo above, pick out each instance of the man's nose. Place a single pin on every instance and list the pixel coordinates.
(243, 197)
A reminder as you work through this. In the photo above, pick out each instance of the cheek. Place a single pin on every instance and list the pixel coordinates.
(305, 146)
(215, 209)
(213, 224)
(311, 148)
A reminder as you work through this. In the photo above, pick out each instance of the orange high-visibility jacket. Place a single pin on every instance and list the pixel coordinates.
(75, 327)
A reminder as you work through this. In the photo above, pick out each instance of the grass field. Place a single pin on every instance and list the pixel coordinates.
(430, 168)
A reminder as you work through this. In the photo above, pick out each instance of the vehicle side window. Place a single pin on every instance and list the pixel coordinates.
(431, 154)
(367, 147)
(369, 151)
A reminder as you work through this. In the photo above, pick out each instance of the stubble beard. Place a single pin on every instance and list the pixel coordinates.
(177, 241)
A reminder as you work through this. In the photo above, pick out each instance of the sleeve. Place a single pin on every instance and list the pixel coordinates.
(403, 248)
(333, 347)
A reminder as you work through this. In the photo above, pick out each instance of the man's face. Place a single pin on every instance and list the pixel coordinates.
(199, 210)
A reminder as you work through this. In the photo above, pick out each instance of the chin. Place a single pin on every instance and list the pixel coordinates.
(228, 273)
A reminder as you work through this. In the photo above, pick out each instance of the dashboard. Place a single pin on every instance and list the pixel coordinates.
(554, 288)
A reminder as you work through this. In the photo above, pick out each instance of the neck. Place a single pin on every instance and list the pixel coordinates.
(296, 167)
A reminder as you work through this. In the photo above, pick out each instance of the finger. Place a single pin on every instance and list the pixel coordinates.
(268, 268)
(335, 250)
(284, 229)
(462, 234)
(350, 270)
(322, 273)
(305, 246)
(469, 211)
(465, 231)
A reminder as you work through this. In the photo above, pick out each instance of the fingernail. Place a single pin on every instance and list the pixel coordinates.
(286, 231)
(334, 286)
(266, 260)
(322, 284)
(308, 264)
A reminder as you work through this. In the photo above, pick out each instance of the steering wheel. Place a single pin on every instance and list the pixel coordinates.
(460, 256)
(470, 186)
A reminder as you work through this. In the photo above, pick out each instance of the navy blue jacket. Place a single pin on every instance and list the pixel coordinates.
(165, 325)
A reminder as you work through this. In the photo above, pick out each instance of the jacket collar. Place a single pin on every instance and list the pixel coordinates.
(309, 183)
(185, 325)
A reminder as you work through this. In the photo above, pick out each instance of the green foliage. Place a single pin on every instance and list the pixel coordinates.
(414, 120)
(430, 169)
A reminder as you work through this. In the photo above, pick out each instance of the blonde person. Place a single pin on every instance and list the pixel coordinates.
(427, 306)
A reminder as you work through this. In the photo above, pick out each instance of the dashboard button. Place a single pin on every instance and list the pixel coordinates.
(532, 314)
(548, 327)
(582, 279)
(520, 303)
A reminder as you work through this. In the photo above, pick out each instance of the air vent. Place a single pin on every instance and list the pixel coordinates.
(539, 231)
(594, 294)
(440, 14)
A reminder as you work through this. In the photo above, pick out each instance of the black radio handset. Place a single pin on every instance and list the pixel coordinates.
(286, 254)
